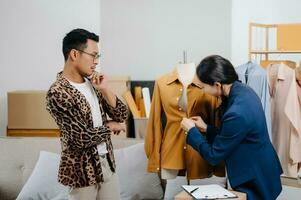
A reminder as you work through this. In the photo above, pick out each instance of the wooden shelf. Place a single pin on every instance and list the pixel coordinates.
(287, 39)
(33, 132)
(274, 52)
(290, 181)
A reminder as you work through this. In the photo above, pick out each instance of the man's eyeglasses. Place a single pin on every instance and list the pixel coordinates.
(95, 56)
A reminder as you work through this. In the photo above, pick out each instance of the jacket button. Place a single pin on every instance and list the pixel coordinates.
(180, 108)
(185, 147)
(158, 168)
(181, 89)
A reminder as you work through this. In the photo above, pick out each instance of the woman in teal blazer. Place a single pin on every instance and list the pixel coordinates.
(242, 140)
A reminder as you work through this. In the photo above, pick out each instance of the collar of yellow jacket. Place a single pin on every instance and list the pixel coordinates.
(173, 76)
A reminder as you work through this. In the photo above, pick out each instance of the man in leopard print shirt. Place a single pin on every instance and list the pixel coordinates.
(80, 101)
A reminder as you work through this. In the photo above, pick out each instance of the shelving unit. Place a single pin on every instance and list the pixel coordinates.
(286, 39)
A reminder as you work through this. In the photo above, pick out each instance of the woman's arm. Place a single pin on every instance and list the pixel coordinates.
(211, 132)
(207, 129)
(233, 130)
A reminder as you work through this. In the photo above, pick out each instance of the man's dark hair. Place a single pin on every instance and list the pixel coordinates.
(77, 39)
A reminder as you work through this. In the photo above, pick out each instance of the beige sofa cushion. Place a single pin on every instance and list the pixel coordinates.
(18, 157)
(42, 184)
(135, 182)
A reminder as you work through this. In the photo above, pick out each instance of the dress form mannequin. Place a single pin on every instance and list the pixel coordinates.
(186, 73)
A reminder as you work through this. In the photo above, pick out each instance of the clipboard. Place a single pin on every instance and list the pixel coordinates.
(211, 191)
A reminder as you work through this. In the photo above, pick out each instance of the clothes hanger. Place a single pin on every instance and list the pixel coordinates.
(253, 59)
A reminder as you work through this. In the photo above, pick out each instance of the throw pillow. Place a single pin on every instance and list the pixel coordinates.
(42, 183)
(135, 182)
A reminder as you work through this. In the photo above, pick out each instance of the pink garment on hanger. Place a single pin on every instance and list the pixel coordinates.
(285, 116)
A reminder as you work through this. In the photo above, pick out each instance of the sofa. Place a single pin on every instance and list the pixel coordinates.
(21, 156)
(18, 157)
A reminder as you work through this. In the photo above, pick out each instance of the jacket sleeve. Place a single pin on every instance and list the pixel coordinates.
(211, 132)
(232, 132)
(265, 100)
(214, 119)
(153, 138)
(64, 112)
(118, 113)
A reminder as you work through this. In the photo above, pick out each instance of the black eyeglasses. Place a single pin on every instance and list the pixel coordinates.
(95, 56)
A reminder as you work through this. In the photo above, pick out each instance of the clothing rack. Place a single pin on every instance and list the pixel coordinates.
(271, 39)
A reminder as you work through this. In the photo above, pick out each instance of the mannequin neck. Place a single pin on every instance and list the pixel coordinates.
(186, 73)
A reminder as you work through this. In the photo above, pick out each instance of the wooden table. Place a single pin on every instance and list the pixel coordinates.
(185, 196)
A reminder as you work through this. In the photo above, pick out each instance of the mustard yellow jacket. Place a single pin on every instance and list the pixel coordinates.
(166, 147)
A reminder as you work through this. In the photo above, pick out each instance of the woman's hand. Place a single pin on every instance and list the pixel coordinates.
(199, 123)
(187, 124)
(116, 127)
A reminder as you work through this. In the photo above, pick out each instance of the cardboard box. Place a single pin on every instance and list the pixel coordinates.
(27, 110)
(140, 127)
(27, 114)
(185, 196)
(119, 85)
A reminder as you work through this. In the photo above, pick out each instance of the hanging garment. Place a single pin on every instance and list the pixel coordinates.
(286, 117)
(255, 77)
(167, 148)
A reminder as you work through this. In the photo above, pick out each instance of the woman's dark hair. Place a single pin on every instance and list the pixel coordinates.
(216, 69)
(77, 39)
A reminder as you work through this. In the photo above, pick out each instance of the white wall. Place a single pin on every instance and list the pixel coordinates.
(145, 38)
(266, 12)
(31, 36)
(259, 11)
(140, 38)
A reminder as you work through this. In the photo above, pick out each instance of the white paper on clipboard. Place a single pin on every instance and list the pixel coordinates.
(212, 191)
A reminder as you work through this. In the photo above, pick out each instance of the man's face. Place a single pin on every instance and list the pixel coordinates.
(87, 60)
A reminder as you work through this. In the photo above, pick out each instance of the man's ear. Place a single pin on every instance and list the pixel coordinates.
(73, 55)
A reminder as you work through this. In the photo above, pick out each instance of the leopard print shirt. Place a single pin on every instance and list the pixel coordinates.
(80, 162)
